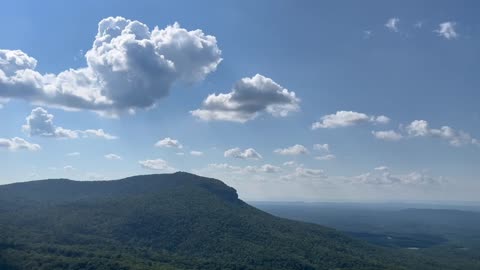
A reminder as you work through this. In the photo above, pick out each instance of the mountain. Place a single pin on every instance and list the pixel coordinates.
(163, 221)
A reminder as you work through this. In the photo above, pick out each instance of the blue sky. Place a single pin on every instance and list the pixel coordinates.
(391, 86)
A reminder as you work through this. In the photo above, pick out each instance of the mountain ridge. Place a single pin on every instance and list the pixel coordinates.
(162, 221)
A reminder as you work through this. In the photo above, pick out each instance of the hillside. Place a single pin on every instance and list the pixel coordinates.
(168, 221)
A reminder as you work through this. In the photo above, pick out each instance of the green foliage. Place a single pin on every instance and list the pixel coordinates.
(175, 221)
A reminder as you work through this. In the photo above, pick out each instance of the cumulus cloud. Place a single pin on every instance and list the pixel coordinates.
(421, 128)
(325, 157)
(17, 143)
(155, 164)
(113, 157)
(73, 154)
(196, 153)
(169, 143)
(392, 24)
(348, 118)
(447, 30)
(40, 123)
(129, 67)
(387, 135)
(293, 150)
(249, 98)
(236, 152)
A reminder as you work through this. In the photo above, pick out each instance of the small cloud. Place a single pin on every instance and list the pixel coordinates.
(381, 168)
(367, 34)
(382, 176)
(169, 143)
(40, 123)
(293, 150)
(348, 118)
(290, 163)
(447, 30)
(155, 164)
(322, 147)
(73, 154)
(418, 25)
(113, 157)
(68, 168)
(421, 128)
(196, 153)
(392, 24)
(17, 143)
(307, 173)
(387, 135)
(325, 157)
(236, 152)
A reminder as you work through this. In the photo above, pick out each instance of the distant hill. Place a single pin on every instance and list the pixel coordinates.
(164, 221)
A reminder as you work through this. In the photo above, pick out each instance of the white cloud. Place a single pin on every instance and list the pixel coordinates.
(382, 176)
(169, 143)
(447, 30)
(128, 67)
(155, 164)
(387, 135)
(305, 173)
(196, 153)
(68, 168)
(392, 24)
(382, 119)
(180, 154)
(236, 152)
(367, 34)
(73, 154)
(17, 143)
(40, 123)
(2, 102)
(348, 118)
(421, 128)
(266, 168)
(325, 157)
(249, 98)
(322, 147)
(293, 150)
(99, 133)
(290, 163)
(113, 157)
(223, 166)
(381, 168)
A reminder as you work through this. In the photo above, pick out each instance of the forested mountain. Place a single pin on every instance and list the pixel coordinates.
(167, 221)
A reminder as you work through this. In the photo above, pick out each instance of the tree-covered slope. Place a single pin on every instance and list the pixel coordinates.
(169, 221)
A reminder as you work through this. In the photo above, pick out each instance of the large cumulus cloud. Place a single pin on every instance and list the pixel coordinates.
(128, 67)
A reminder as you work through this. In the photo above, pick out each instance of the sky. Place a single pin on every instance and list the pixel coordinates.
(283, 100)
